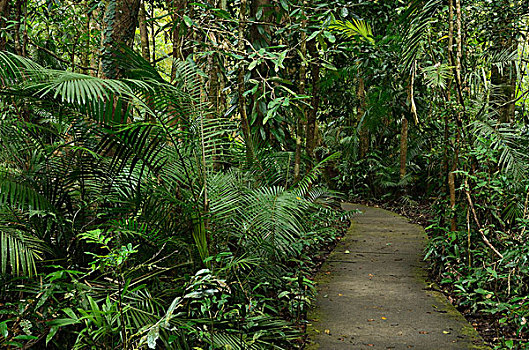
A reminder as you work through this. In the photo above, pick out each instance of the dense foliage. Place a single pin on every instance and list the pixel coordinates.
(168, 169)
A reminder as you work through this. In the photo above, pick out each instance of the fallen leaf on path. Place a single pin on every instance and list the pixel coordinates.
(370, 320)
(446, 332)
(327, 331)
(383, 318)
(340, 294)
(346, 252)
(423, 332)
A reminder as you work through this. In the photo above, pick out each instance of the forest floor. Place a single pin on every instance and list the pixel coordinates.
(374, 294)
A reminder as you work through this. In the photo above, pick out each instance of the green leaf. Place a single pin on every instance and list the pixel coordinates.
(61, 322)
(68, 311)
(313, 35)
(51, 334)
(188, 21)
(15, 343)
(3, 328)
(329, 36)
(283, 293)
(25, 337)
(253, 64)
(329, 66)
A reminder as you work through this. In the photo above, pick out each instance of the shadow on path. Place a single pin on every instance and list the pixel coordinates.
(373, 292)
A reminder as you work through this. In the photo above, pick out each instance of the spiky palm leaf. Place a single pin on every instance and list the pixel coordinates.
(20, 251)
(504, 139)
(356, 28)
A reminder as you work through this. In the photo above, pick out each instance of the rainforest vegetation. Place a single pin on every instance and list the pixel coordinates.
(171, 170)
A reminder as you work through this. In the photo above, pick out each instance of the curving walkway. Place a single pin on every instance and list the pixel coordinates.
(373, 292)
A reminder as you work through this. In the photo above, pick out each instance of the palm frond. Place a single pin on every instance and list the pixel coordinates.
(20, 250)
(436, 76)
(356, 28)
(504, 139)
(417, 18)
(15, 69)
(304, 184)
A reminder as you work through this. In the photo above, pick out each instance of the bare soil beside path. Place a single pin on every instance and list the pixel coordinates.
(373, 292)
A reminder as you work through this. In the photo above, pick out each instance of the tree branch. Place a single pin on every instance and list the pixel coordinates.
(485, 239)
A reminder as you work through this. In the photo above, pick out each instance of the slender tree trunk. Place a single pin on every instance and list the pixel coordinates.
(18, 19)
(144, 33)
(452, 187)
(25, 38)
(315, 101)
(403, 146)
(213, 73)
(153, 35)
(121, 18)
(302, 82)
(450, 42)
(459, 53)
(260, 35)
(85, 54)
(177, 8)
(240, 84)
(455, 161)
(360, 110)
(4, 18)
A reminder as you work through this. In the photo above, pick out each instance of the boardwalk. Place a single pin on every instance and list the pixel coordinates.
(373, 293)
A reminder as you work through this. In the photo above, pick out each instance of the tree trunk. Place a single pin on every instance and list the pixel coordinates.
(315, 101)
(360, 110)
(302, 81)
(260, 35)
(459, 53)
(121, 18)
(18, 19)
(240, 84)
(4, 18)
(144, 34)
(176, 7)
(85, 54)
(452, 188)
(403, 146)
(455, 161)
(25, 38)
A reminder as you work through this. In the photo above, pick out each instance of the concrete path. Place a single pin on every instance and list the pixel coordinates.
(373, 292)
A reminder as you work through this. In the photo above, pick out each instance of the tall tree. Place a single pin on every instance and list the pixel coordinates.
(176, 8)
(302, 81)
(311, 136)
(144, 33)
(121, 19)
(245, 125)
